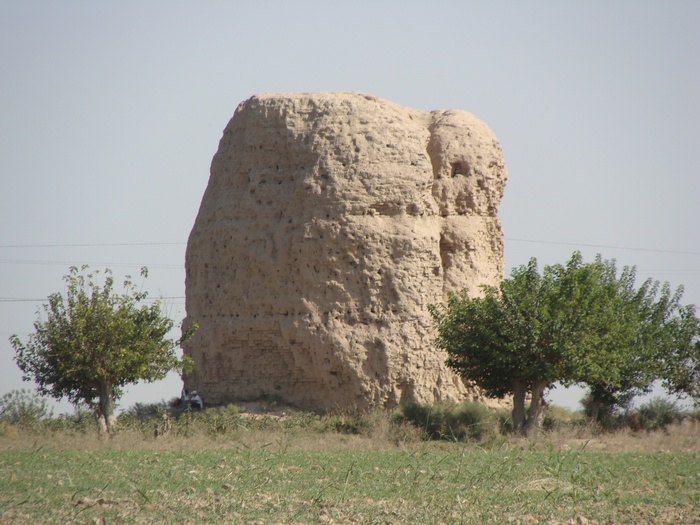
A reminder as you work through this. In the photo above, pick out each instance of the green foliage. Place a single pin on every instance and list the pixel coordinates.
(575, 323)
(23, 407)
(518, 337)
(639, 335)
(606, 414)
(347, 423)
(681, 375)
(500, 337)
(91, 343)
(658, 413)
(220, 421)
(448, 421)
(82, 420)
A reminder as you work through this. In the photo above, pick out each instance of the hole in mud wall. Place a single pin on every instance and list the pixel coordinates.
(460, 168)
(447, 250)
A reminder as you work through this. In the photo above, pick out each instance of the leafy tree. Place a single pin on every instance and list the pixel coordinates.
(634, 336)
(93, 342)
(609, 355)
(512, 340)
(576, 323)
(680, 372)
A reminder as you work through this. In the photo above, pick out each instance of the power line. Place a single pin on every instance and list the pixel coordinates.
(512, 239)
(90, 245)
(73, 263)
(533, 241)
(603, 246)
(669, 272)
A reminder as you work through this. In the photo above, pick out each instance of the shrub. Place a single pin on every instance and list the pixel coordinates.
(345, 423)
(352, 421)
(611, 416)
(448, 421)
(81, 420)
(472, 420)
(504, 421)
(24, 408)
(423, 417)
(658, 413)
(151, 419)
(300, 420)
(220, 421)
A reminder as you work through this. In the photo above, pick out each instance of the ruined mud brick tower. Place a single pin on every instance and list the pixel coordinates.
(329, 224)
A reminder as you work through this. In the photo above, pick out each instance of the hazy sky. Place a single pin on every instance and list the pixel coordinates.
(110, 114)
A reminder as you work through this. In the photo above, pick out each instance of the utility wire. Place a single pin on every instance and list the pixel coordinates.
(115, 265)
(90, 245)
(512, 239)
(603, 246)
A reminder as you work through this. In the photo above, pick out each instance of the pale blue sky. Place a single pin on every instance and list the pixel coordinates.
(110, 114)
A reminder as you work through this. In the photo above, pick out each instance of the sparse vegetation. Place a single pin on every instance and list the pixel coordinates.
(234, 467)
(447, 463)
(294, 486)
(659, 414)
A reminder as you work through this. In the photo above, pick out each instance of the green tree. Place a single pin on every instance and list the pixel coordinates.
(91, 343)
(578, 323)
(612, 355)
(633, 337)
(512, 340)
(680, 374)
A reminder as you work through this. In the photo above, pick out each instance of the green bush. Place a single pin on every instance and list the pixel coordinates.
(24, 408)
(301, 420)
(220, 421)
(353, 422)
(473, 421)
(658, 413)
(611, 416)
(448, 421)
(81, 420)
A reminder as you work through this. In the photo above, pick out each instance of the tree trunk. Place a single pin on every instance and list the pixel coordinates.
(100, 420)
(106, 420)
(518, 415)
(534, 412)
(595, 409)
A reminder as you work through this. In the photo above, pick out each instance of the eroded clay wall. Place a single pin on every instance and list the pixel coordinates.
(329, 223)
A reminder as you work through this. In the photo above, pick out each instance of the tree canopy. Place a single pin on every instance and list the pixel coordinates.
(91, 343)
(577, 323)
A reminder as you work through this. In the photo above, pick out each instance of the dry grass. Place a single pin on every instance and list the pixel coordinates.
(683, 437)
(381, 435)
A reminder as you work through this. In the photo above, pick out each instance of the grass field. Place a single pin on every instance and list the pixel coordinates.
(297, 476)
